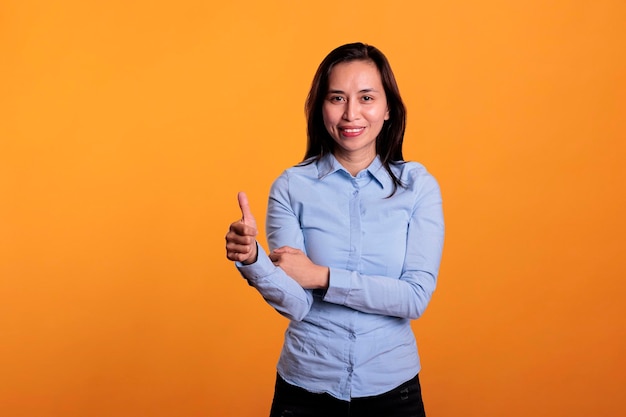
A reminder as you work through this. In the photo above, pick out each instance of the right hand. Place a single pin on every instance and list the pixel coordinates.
(241, 243)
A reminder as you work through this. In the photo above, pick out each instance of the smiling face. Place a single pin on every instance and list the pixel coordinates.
(355, 109)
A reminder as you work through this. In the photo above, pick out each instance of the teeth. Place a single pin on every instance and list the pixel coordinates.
(351, 130)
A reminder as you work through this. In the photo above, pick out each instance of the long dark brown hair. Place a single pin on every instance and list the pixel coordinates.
(389, 140)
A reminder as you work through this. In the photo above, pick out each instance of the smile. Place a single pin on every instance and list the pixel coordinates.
(351, 132)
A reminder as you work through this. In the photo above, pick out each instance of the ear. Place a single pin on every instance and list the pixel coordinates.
(387, 114)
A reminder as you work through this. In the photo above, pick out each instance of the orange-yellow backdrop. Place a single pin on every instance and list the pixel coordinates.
(127, 128)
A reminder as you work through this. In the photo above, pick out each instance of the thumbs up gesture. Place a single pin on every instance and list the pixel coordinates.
(241, 237)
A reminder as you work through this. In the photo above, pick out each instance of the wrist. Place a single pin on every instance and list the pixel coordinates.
(324, 278)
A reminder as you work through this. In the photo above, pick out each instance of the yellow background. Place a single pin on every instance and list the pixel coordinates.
(127, 128)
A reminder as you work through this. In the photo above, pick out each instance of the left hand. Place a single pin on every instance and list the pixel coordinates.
(299, 267)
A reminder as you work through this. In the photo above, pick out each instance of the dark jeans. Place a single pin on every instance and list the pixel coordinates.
(292, 401)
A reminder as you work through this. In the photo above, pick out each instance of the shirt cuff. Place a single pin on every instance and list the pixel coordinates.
(339, 286)
(259, 269)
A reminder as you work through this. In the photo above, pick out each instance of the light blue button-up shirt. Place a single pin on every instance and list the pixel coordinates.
(353, 339)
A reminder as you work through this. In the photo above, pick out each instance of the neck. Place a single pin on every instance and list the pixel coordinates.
(354, 163)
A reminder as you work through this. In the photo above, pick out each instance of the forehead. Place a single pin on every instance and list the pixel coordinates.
(361, 74)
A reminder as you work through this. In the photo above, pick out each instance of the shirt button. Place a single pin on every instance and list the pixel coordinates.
(352, 336)
(349, 369)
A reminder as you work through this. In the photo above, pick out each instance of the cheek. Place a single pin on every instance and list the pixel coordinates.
(328, 117)
(377, 115)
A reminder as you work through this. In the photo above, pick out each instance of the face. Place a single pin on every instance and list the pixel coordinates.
(355, 109)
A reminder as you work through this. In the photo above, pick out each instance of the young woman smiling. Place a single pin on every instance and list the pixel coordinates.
(356, 235)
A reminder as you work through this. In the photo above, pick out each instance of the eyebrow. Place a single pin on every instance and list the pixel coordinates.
(365, 90)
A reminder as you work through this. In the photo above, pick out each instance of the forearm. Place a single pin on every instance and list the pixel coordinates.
(406, 297)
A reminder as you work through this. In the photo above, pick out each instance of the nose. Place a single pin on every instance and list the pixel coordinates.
(351, 110)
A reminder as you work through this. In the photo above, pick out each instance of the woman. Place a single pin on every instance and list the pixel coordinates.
(356, 235)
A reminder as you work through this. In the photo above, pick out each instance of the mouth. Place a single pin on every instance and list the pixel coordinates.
(351, 132)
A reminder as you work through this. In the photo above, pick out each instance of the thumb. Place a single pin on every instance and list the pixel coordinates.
(246, 214)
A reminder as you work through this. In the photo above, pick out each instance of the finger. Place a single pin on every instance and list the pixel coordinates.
(239, 249)
(235, 239)
(241, 229)
(246, 213)
(286, 249)
(237, 256)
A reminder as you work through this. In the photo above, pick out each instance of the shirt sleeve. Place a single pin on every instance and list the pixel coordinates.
(408, 296)
(277, 288)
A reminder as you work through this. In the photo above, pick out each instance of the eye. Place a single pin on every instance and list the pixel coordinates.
(336, 99)
(368, 98)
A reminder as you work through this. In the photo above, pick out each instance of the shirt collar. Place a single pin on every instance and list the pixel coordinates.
(328, 164)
